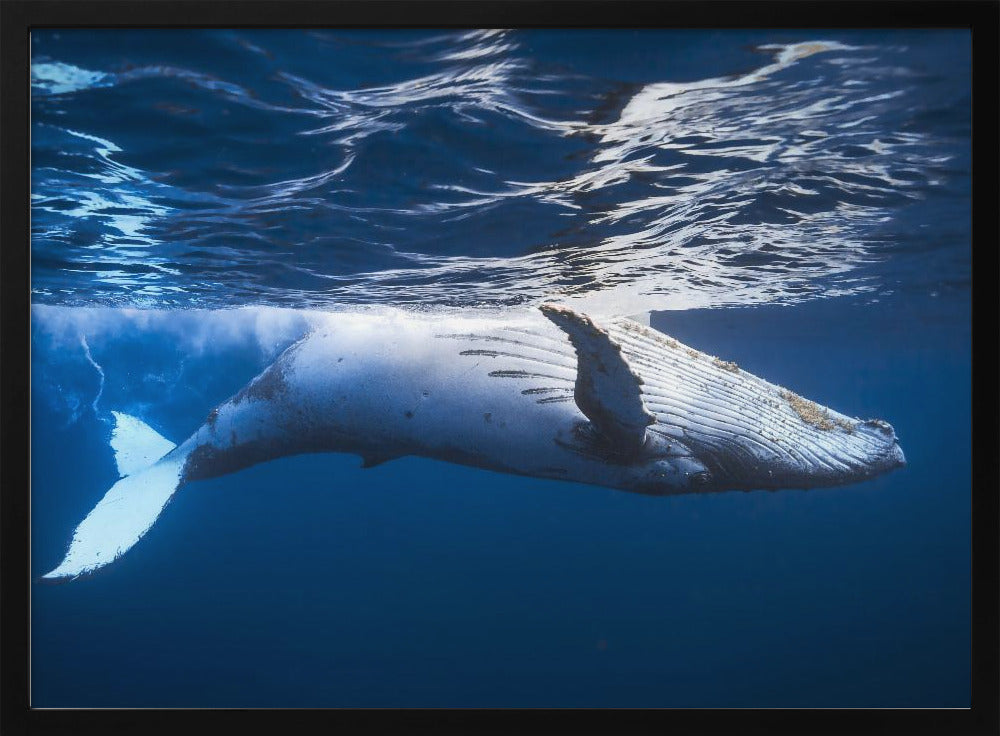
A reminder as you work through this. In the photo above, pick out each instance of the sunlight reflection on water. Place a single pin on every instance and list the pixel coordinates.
(468, 183)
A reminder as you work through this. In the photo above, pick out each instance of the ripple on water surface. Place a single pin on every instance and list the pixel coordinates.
(493, 167)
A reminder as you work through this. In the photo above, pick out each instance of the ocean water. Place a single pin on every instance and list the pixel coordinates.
(798, 202)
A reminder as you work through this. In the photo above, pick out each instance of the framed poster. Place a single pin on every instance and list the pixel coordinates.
(439, 364)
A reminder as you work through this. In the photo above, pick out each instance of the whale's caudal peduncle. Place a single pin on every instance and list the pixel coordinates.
(548, 393)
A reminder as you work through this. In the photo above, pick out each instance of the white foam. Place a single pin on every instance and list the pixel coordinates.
(193, 331)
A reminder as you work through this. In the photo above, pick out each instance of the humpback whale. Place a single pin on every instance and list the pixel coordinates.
(546, 392)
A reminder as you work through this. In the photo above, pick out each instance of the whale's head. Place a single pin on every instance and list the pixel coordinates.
(673, 419)
(786, 442)
(727, 429)
(807, 455)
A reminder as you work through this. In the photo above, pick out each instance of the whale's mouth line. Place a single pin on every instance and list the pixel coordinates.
(831, 457)
(727, 475)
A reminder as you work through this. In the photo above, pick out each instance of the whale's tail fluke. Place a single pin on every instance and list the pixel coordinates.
(152, 468)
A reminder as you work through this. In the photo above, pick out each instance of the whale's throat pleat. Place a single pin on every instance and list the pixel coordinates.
(542, 366)
(741, 426)
(735, 422)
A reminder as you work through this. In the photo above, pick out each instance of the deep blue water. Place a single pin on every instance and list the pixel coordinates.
(797, 202)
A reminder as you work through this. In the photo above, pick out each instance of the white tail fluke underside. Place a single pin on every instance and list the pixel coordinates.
(136, 444)
(132, 504)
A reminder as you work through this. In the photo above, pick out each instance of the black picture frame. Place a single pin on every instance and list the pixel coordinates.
(19, 17)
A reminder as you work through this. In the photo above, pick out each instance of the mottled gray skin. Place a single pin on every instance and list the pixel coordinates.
(505, 393)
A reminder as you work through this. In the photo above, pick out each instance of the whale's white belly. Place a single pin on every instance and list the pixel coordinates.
(496, 393)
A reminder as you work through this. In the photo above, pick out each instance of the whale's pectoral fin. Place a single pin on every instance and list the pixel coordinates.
(131, 505)
(607, 389)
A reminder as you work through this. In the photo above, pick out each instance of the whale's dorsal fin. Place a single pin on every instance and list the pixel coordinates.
(607, 389)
